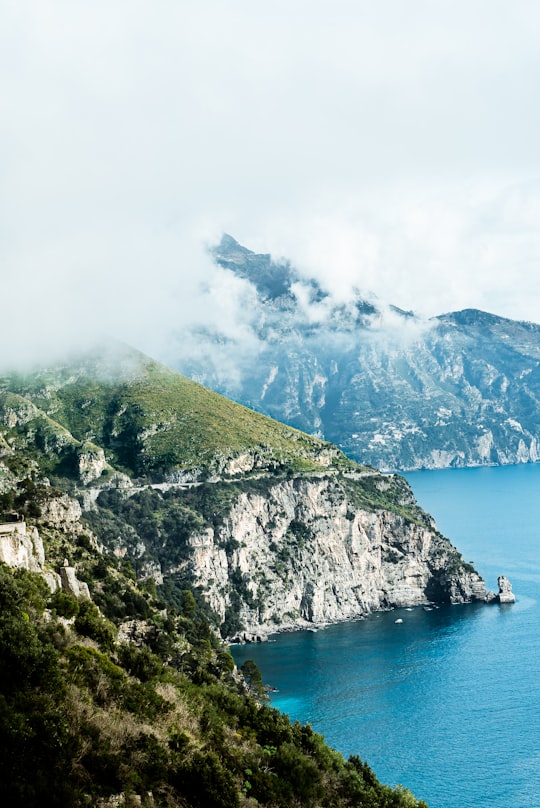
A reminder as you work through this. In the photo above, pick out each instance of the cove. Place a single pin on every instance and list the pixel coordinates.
(447, 702)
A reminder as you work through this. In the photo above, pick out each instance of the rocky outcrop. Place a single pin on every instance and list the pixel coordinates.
(137, 632)
(71, 584)
(91, 463)
(505, 590)
(21, 546)
(302, 553)
(61, 510)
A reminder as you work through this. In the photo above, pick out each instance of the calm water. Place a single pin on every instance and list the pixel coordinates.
(448, 702)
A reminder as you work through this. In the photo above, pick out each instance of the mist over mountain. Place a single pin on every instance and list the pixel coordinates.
(392, 389)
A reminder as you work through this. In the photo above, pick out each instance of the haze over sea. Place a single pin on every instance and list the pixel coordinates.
(447, 702)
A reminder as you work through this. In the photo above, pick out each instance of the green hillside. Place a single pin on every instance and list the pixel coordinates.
(88, 720)
(129, 473)
(130, 698)
(150, 421)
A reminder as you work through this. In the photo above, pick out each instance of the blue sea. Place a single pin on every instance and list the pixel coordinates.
(447, 702)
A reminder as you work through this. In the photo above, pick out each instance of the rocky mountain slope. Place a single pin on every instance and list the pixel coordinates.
(270, 528)
(389, 388)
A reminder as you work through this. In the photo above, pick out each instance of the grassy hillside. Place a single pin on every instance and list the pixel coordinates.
(150, 421)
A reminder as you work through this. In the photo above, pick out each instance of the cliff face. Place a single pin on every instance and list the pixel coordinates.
(305, 554)
(297, 552)
(267, 554)
(21, 547)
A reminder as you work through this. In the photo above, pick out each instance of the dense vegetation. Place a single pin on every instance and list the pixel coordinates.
(165, 721)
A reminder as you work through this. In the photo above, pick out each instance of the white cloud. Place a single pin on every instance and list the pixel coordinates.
(388, 146)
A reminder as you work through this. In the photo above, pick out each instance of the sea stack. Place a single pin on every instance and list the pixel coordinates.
(505, 590)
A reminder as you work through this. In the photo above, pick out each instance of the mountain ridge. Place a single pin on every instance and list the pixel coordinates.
(392, 390)
(179, 423)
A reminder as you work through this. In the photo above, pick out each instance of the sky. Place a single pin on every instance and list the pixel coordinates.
(391, 147)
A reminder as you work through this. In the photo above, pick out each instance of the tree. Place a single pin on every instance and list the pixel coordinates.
(253, 678)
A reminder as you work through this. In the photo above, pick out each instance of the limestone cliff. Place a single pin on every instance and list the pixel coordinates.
(21, 547)
(304, 552)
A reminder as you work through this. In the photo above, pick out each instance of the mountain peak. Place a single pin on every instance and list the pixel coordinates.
(272, 279)
(229, 245)
(472, 317)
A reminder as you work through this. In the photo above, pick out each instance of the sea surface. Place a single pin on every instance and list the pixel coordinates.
(447, 702)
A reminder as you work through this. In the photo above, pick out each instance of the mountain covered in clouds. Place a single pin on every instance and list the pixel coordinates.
(390, 388)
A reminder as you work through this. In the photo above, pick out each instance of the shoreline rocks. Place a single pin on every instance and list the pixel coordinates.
(505, 590)
(504, 595)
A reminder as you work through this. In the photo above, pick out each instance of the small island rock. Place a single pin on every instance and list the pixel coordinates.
(505, 590)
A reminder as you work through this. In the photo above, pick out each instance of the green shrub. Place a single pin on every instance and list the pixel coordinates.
(64, 604)
(206, 783)
(90, 623)
(140, 662)
(94, 670)
(253, 678)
